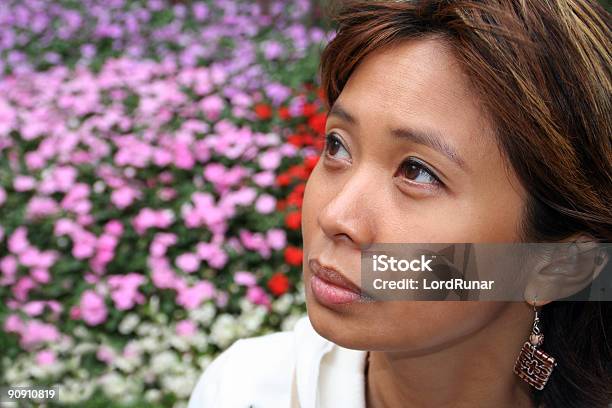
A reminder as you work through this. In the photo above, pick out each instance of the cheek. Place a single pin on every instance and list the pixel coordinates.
(422, 327)
(311, 204)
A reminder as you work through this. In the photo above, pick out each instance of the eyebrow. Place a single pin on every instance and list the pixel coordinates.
(429, 138)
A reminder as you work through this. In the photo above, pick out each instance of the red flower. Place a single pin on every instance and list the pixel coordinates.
(296, 139)
(310, 162)
(298, 172)
(278, 284)
(321, 93)
(308, 140)
(293, 220)
(293, 256)
(263, 111)
(284, 113)
(317, 122)
(309, 109)
(280, 205)
(283, 180)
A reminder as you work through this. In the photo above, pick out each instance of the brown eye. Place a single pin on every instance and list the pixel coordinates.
(334, 147)
(413, 170)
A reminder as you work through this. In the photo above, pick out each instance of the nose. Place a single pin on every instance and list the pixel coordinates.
(348, 218)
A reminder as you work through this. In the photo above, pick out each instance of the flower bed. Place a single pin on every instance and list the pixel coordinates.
(151, 174)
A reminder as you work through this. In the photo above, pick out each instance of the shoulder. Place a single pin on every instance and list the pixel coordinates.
(260, 367)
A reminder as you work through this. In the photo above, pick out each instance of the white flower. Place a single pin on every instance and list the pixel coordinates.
(283, 303)
(164, 362)
(129, 323)
(149, 344)
(83, 348)
(129, 172)
(72, 391)
(204, 314)
(199, 341)
(179, 343)
(152, 395)
(223, 330)
(154, 304)
(81, 332)
(113, 384)
(204, 362)
(252, 320)
(99, 187)
(181, 385)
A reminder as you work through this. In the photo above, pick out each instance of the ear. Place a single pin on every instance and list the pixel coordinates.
(569, 267)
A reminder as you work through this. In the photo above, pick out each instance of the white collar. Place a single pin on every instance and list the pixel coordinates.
(326, 374)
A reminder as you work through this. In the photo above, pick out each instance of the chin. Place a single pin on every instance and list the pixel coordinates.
(347, 328)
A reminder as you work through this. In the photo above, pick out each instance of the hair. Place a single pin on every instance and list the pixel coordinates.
(543, 73)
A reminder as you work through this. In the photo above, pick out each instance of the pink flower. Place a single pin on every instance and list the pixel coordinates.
(258, 296)
(106, 242)
(41, 207)
(214, 172)
(149, 218)
(183, 158)
(13, 324)
(2, 196)
(22, 288)
(18, 241)
(105, 354)
(264, 179)
(34, 160)
(211, 253)
(64, 226)
(212, 106)
(124, 196)
(34, 308)
(35, 333)
(84, 244)
(277, 238)
(188, 262)
(245, 278)
(45, 357)
(191, 298)
(186, 328)
(28, 256)
(92, 307)
(40, 275)
(114, 227)
(124, 290)
(24, 183)
(265, 204)
(270, 160)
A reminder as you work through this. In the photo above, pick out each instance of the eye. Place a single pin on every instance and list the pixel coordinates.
(416, 171)
(335, 148)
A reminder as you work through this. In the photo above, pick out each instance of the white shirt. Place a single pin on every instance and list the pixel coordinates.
(290, 369)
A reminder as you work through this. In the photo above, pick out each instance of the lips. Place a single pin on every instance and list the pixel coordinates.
(331, 287)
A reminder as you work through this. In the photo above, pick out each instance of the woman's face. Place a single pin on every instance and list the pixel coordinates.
(410, 157)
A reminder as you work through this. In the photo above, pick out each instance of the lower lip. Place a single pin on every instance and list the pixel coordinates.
(330, 294)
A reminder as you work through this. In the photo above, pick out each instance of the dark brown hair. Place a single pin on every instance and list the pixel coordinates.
(543, 72)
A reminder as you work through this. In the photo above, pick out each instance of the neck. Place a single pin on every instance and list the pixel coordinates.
(475, 371)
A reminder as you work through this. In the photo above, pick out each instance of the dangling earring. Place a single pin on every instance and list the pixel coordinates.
(533, 365)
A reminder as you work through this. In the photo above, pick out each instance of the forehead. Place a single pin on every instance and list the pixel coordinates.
(417, 82)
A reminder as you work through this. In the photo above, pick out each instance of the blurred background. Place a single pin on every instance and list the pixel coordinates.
(153, 155)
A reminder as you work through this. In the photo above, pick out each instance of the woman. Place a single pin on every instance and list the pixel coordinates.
(449, 121)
